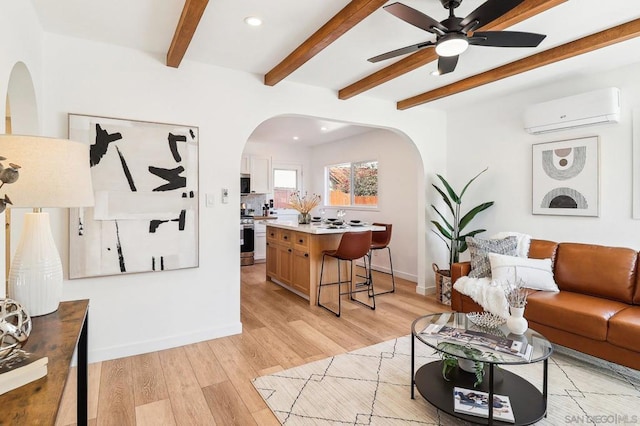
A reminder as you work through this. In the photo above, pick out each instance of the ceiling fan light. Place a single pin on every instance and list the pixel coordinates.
(451, 45)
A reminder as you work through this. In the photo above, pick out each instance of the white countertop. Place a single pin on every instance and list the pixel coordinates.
(321, 228)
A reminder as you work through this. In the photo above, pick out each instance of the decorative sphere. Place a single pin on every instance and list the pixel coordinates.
(15, 327)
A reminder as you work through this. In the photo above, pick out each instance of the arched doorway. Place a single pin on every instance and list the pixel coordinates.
(306, 145)
(21, 117)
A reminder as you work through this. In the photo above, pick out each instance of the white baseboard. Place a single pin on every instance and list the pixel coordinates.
(399, 274)
(162, 344)
(425, 290)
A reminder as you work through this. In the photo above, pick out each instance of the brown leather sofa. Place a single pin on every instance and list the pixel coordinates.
(597, 310)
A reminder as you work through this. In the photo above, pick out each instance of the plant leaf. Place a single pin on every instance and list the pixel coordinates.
(446, 222)
(472, 213)
(442, 230)
(452, 194)
(469, 183)
(445, 198)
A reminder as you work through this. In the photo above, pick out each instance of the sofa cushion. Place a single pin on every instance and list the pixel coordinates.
(534, 273)
(479, 250)
(543, 249)
(575, 313)
(624, 329)
(608, 272)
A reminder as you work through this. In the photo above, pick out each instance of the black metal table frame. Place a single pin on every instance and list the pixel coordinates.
(82, 382)
(491, 376)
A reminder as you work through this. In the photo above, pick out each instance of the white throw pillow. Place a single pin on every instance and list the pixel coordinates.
(536, 273)
(524, 241)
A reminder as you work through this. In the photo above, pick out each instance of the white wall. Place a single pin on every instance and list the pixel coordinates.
(399, 172)
(144, 312)
(491, 134)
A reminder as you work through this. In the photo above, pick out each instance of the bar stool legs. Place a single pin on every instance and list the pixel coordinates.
(353, 289)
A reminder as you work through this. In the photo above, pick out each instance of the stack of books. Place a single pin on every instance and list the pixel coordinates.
(21, 368)
(476, 403)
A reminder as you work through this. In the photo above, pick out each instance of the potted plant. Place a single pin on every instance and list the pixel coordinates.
(450, 230)
(449, 362)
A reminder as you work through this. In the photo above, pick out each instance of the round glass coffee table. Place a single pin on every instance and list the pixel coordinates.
(453, 334)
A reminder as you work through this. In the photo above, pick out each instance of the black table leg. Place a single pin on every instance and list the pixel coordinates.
(413, 377)
(490, 393)
(545, 380)
(81, 397)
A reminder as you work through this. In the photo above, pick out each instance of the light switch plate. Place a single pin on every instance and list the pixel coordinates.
(209, 200)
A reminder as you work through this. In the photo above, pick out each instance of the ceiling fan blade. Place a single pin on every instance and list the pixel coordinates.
(415, 17)
(506, 39)
(489, 11)
(401, 51)
(447, 64)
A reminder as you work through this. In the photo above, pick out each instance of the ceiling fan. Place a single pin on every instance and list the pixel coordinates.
(454, 35)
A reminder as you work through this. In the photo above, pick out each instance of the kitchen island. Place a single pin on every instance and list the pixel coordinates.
(294, 256)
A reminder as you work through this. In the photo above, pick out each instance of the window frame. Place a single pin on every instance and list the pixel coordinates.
(287, 166)
(353, 165)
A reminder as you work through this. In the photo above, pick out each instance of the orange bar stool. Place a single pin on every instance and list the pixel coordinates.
(353, 246)
(380, 241)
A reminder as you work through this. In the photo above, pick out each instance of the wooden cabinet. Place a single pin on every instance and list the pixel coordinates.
(272, 259)
(300, 276)
(288, 259)
(285, 254)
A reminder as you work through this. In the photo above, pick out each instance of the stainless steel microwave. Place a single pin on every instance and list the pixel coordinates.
(245, 184)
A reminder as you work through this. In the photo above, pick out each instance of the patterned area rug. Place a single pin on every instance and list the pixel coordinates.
(371, 386)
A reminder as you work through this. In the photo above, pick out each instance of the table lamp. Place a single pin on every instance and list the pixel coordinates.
(41, 172)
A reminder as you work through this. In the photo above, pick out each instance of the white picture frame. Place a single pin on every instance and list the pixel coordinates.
(565, 177)
(145, 182)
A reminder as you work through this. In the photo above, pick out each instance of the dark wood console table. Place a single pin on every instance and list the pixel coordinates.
(56, 336)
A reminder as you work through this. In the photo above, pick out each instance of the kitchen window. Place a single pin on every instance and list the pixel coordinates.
(286, 180)
(352, 184)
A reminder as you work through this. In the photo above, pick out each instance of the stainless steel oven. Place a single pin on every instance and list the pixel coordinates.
(247, 237)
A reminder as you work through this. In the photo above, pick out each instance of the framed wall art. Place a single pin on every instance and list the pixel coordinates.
(566, 177)
(636, 163)
(145, 182)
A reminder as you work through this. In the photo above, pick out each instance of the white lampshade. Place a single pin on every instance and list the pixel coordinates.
(50, 173)
(53, 172)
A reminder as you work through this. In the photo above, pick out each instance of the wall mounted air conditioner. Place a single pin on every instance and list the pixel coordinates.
(587, 109)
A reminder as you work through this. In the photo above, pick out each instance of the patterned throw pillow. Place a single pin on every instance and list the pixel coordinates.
(480, 249)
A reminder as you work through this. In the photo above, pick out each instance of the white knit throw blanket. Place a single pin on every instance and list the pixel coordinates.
(486, 293)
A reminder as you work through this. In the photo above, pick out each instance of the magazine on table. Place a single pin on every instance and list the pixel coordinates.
(476, 403)
(20, 369)
(479, 338)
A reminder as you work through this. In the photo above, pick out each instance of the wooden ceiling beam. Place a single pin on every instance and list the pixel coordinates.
(523, 11)
(581, 46)
(342, 22)
(189, 20)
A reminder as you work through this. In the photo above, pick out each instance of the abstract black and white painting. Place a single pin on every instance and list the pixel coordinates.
(145, 181)
(565, 177)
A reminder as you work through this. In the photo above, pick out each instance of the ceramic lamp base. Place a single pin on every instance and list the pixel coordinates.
(35, 278)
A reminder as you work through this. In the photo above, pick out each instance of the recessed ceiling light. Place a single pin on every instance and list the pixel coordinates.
(253, 21)
(324, 128)
(295, 138)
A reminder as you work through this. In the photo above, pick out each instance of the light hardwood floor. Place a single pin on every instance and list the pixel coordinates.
(209, 383)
